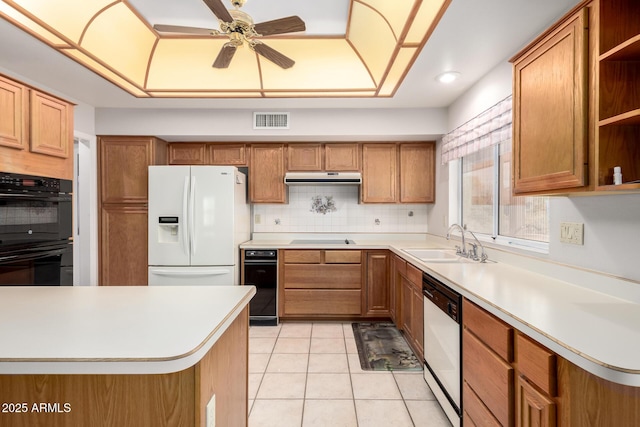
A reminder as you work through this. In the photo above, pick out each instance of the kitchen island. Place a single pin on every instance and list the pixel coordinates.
(124, 356)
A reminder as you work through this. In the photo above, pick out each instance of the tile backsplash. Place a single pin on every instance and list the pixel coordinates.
(335, 208)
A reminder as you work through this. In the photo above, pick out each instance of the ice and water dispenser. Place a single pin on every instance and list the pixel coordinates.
(168, 229)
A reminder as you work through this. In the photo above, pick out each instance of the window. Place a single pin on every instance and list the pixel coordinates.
(488, 207)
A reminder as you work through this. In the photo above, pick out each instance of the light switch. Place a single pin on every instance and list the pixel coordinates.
(572, 232)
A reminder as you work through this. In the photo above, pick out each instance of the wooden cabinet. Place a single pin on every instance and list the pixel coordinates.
(14, 104)
(266, 173)
(488, 377)
(228, 154)
(619, 98)
(411, 312)
(379, 173)
(550, 110)
(320, 283)
(207, 153)
(181, 153)
(342, 157)
(36, 132)
(403, 173)
(377, 295)
(417, 172)
(123, 182)
(305, 157)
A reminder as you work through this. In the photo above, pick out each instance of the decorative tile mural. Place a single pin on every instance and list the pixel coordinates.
(335, 208)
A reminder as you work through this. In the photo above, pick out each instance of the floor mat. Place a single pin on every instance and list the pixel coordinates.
(382, 347)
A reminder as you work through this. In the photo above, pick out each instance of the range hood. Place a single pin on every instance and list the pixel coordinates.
(320, 178)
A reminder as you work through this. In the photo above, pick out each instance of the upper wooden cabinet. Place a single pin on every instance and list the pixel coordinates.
(330, 157)
(124, 165)
(340, 157)
(36, 132)
(417, 172)
(14, 104)
(266, 173)
(403, 172)
(182, 153)
(619, 106)
(550, 109)
(305, 157)
(379, 173)
(51, 125)
(207, 153)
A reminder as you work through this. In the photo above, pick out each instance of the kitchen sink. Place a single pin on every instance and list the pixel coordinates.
(436, 255)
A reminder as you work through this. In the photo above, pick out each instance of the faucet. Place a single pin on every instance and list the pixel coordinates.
(460, 251)
(473, 251)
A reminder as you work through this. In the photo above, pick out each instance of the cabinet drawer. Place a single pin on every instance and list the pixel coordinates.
(490, 377)
(415, 276)
(475, 411)
(322, 276)
(322, 302)
(537, 363)
(496, 334)
(342, 257)
(302, 257)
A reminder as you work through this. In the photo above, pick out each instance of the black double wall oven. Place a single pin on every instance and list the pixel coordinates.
(36, 248)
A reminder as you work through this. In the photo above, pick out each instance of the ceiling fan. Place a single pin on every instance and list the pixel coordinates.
(240, 29)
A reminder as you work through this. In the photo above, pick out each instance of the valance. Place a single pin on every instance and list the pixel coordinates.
(490, 127)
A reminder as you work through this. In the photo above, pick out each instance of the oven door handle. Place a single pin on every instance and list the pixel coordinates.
(32, 255)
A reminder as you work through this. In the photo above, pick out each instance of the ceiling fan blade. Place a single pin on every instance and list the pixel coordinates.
(290, 24)
(273, 55)
(183, 30)
(225, 56)
(219, 10)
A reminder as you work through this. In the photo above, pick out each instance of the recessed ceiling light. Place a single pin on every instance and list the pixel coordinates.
(448, 76)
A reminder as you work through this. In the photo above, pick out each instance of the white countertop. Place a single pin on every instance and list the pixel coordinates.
(554, 305)
(113, 329)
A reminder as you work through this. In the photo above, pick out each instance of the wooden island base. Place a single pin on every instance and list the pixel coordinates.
(173, 400)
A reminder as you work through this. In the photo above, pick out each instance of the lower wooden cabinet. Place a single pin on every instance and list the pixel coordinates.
(320, 283)
(411, 311)
(534, 408)
(377, 284)
(123, 245)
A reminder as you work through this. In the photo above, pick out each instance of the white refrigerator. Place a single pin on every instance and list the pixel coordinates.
(198, 215)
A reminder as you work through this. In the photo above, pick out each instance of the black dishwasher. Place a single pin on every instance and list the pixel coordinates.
(261, 271)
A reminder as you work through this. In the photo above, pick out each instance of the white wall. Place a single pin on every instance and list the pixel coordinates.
(611, 222)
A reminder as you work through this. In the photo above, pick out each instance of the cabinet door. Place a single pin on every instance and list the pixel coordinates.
(187, 154)
(304, 157)
(51, 125)
(228, 154)
(377, 284)
(379, 170)
(341, 157)
(417, 173)
(534, 409)
(266, 174)
(124, 163)
(407, 308)
(417, 322)
(550, 111)
(13, 114)
(123, 245)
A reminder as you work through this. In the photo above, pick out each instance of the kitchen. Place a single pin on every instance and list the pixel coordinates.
(609, 221)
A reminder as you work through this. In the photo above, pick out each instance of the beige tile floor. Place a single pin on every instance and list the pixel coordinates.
(309, 374)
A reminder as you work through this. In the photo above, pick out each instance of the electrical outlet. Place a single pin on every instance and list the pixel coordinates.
(257, 219)
(572, 232)
(211, 412)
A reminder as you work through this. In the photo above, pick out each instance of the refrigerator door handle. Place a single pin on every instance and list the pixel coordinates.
(190, 273)
(185, 211)
(192, 220)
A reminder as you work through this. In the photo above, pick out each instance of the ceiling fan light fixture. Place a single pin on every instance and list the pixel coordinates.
(448, 77)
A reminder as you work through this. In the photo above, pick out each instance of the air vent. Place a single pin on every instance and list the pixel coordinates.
(271, 120)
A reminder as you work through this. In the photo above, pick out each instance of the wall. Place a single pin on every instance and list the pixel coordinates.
(609, 221)
(348, 216)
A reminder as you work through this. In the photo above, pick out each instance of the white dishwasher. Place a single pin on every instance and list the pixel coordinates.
(442, 344)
